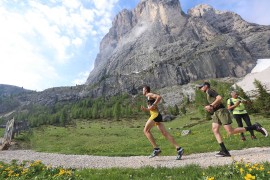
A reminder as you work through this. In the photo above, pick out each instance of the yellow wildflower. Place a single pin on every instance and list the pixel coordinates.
(61, 172)
(10, 173)
(249, 177)
(24, 171)
(38, 161)
(247, 165)
(211, 178)
(68, 172)
(241, 170)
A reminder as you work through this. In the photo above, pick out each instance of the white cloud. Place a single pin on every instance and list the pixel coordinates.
(105, 5)
(38, 38)
(25, 69)
(81, 78)
(71, 4)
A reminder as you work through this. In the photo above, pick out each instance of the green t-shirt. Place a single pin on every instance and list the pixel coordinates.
(240, 109)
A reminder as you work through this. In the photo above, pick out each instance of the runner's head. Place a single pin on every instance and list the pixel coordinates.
(234, 94)
(203, 87)
(146, 89)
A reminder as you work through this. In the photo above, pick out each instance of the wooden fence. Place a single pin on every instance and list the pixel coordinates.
(12, 128)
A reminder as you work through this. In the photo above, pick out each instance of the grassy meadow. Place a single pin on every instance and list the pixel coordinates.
(125, 137)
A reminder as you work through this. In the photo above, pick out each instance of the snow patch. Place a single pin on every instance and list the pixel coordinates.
(260, 72)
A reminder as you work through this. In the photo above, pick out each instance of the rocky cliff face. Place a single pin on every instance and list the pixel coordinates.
(159, 45)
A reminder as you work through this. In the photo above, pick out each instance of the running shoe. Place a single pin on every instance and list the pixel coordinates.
(155, 153)
(223, 154)
(260, 129)
(180, 153)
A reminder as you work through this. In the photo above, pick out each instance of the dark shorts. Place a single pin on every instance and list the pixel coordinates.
(158, 118)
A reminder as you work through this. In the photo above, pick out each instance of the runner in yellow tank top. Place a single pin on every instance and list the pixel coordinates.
(156, 119)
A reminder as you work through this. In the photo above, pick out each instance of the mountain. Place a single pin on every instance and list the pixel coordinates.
(8, 90)
(7, 100)
(13, 97)
(158, 44)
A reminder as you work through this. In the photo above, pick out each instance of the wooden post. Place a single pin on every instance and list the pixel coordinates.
(8, 135)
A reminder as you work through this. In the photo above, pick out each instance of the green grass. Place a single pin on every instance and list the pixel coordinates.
(2, 131)
(234, 171)
(126, 138)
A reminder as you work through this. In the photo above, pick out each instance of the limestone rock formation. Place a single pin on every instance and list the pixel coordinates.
(158, 44)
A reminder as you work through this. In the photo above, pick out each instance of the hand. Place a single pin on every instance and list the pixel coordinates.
(143, 108)
(209, 108)
(237, 103)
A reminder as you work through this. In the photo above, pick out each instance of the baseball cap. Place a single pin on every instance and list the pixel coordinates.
(204, 84)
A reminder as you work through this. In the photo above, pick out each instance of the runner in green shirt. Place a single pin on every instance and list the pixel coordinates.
(236, 105)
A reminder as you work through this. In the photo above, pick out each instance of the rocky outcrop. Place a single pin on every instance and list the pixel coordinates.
(159, 45)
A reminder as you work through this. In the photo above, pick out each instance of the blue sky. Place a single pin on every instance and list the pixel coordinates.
(52, 43)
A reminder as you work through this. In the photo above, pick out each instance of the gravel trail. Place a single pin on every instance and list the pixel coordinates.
(253, 155)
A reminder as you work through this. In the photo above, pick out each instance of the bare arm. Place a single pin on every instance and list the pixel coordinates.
(217, 101)
(214, 104)
(155, 96)
(157, 100)
(230, 107)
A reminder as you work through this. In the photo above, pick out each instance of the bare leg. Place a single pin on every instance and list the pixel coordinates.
(148, 126)
(164, 132)
(230, 130)
(215, 129)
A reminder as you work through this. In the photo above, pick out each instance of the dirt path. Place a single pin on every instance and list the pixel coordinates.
(253, 155)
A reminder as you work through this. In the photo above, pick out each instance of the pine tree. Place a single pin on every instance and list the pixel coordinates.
(95, 112)
(117, 111)
(262, 101)
(63, 117)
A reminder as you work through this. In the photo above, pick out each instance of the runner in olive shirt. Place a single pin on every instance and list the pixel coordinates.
(221, 116)
(237, 107)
